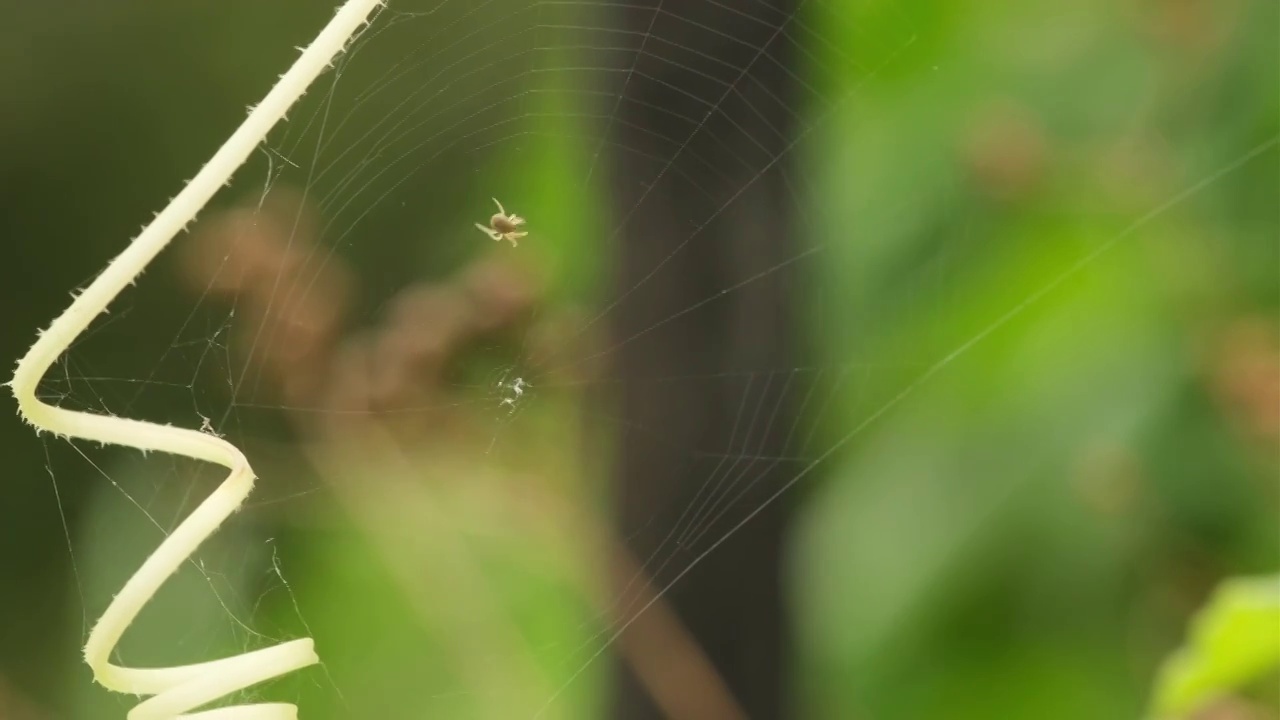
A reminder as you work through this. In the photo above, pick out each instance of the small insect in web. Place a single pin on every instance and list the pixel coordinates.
(503, 226)
(514, 390)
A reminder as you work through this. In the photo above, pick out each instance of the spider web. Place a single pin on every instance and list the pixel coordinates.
(728, 283)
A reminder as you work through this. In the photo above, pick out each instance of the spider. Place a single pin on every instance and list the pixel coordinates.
(503, 226)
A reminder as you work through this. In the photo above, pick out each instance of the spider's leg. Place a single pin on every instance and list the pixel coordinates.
(495, 202)
(489, 231)
(515, 236)
(515, 220)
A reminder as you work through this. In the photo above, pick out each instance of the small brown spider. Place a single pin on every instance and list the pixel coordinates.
(503, 226)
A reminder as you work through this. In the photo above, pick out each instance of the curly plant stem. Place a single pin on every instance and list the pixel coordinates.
(177, 690)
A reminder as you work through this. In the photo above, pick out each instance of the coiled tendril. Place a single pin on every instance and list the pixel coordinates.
(176, 690)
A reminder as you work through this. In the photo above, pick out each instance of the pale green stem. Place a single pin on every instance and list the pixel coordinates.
(177, 690)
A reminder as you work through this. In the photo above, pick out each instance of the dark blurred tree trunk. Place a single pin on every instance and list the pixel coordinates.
(707, 215)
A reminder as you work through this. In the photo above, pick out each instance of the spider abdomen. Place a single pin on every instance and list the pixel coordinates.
(502, 224)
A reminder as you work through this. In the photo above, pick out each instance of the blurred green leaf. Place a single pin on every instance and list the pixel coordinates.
(1233, 639)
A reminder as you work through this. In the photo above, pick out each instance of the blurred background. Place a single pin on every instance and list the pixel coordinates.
(863, 360)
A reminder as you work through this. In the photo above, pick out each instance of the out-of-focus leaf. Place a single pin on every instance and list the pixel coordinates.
(1233, 639)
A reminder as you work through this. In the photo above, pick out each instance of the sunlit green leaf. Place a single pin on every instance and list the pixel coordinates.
(1235, 638)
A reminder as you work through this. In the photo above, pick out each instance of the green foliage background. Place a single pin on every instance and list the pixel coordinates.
(1023, 535)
